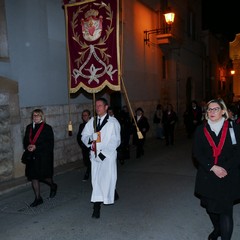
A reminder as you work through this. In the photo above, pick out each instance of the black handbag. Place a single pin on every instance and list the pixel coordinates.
(26, 156)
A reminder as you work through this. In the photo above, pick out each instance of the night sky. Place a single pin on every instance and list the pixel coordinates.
(221, 17)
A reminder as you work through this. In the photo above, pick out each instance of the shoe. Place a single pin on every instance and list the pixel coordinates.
(96, 214)
(213, 235)
(53, 191)
(86, 177)
(96, 210)
(36, 202)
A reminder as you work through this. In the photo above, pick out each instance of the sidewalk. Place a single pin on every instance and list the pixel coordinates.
(156, 203)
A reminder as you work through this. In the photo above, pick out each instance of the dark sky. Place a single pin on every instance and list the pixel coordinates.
(221, 17)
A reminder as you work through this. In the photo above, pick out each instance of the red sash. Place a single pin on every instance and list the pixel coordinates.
(32, 141)
(217, 149)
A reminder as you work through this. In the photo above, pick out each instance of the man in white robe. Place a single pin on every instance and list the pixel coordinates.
(103, 143)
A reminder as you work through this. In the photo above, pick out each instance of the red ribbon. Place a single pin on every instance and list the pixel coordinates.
(217, 149)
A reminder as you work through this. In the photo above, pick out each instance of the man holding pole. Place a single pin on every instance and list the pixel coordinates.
(102, 136)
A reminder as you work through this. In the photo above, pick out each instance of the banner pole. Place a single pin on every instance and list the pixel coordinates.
(94, 123)
(140, 136)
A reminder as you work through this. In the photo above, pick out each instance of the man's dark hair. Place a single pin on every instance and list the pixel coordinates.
(104, 100)
(87, 111)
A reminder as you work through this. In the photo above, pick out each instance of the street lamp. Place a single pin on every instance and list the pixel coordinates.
(169, 19)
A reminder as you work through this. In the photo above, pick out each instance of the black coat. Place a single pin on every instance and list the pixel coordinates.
(41, 164)
(79, 135)
(207, 184)
(143, 126)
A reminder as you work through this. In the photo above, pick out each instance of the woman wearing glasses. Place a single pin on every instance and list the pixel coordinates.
(39, 142)
(217, 152)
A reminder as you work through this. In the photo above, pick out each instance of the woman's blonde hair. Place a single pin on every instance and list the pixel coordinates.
(40, 113)
(221, 104)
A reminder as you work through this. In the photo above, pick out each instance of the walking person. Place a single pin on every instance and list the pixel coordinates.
(169, 120)
(103, 143)
(157, 121)
(143, 126)
(192, 118)
(38, 142)
(217, 151)
(126, 131)
(86, 115)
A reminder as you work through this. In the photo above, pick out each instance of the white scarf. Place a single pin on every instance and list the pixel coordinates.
(216, 126)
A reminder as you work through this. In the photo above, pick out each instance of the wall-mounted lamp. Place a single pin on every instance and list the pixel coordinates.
(232, 72)
(169, 19)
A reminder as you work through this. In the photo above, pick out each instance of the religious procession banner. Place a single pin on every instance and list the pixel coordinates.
(92, 32)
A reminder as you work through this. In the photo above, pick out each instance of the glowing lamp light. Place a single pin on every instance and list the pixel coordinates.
(169, 17)
(164, 32)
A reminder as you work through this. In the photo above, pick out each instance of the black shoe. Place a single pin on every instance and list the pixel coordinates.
(53, 191)
(36, 202)
(86, 177)
(213, 235)
(96, 210)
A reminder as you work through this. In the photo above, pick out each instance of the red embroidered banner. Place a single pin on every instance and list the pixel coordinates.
(92, 31)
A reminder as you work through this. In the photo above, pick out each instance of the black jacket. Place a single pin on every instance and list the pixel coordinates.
(41, 165)
(207, 183)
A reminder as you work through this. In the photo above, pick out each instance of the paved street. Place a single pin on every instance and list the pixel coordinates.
(156, 203)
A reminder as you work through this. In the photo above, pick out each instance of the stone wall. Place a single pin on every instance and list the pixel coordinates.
(9, 128)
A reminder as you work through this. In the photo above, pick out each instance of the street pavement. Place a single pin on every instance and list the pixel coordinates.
(156, 202)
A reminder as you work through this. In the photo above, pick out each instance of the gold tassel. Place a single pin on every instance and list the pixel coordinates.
(139, 133)
(70, 128)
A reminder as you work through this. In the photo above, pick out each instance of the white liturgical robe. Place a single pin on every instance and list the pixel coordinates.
(104, 163)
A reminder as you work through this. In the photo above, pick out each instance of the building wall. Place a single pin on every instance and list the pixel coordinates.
(37, 64)
(235, 57)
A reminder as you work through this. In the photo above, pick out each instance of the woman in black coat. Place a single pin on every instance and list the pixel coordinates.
(39, 143)
(169, 120)
(143, 127)
(217, 152)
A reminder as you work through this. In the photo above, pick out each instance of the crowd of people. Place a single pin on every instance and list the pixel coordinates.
(105, 138)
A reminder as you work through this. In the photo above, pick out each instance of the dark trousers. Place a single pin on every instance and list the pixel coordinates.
(86, 159)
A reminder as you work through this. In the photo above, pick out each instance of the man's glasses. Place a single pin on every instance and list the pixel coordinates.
(214, 110)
